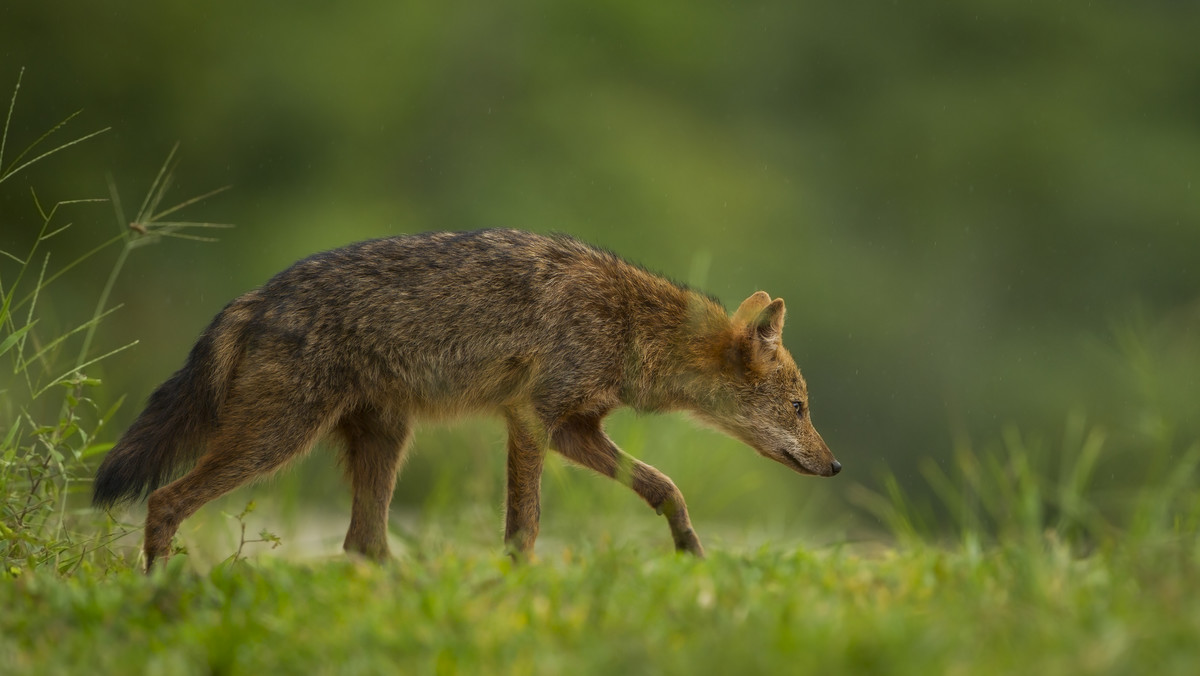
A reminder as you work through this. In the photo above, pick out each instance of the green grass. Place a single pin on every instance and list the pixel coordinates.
(452, 609)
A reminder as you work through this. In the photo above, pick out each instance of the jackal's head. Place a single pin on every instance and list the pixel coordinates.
(760, 396)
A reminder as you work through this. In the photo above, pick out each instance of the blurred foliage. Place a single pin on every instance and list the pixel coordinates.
(980, 213)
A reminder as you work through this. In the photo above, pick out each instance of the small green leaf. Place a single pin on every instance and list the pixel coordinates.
(110, 412)
(15, 336)
(96, 449)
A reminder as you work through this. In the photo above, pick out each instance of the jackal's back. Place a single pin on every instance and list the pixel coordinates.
(447, 321)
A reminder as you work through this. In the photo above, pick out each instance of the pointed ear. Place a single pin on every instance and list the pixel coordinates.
(767, 326)
(750, 307)
(755, 335)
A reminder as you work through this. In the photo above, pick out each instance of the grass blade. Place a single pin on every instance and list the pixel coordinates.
(12, 104)
(63, 378)
(13, 171)
(13, 337)
(156, 186)
(186, 203)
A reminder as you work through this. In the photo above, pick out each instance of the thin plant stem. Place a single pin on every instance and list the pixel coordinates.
(104, 293)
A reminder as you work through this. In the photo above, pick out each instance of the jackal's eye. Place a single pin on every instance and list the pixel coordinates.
(799, 406)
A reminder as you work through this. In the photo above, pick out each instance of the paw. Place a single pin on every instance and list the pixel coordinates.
(688, 542)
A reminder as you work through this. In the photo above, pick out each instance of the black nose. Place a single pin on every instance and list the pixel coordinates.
(836, 466)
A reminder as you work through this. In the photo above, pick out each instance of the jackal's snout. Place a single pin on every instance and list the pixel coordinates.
(822, 468)
(812, 459)
(817, 459)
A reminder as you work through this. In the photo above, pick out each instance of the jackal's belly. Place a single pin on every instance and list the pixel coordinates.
(437, 386)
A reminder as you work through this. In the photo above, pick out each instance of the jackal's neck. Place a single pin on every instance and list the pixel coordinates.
(675, 339)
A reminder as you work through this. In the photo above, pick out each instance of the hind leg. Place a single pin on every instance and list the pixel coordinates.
(374, 450)
(257, 434)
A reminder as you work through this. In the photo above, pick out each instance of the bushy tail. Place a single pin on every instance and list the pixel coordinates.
(170, 433)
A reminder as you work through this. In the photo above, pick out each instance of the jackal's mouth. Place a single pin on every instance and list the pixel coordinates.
(791, 461)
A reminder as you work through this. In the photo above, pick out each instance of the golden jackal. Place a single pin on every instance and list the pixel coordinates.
(548, 332)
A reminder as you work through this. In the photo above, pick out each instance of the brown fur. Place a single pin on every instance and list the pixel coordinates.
(547, 332)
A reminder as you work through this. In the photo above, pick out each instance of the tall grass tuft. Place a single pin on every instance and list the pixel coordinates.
(50, 424)
(1125, 481)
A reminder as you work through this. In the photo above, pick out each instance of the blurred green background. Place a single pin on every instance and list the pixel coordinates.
(983, 215)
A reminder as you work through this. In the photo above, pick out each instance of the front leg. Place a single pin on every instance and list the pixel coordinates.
(584, 441)
(526, 453)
